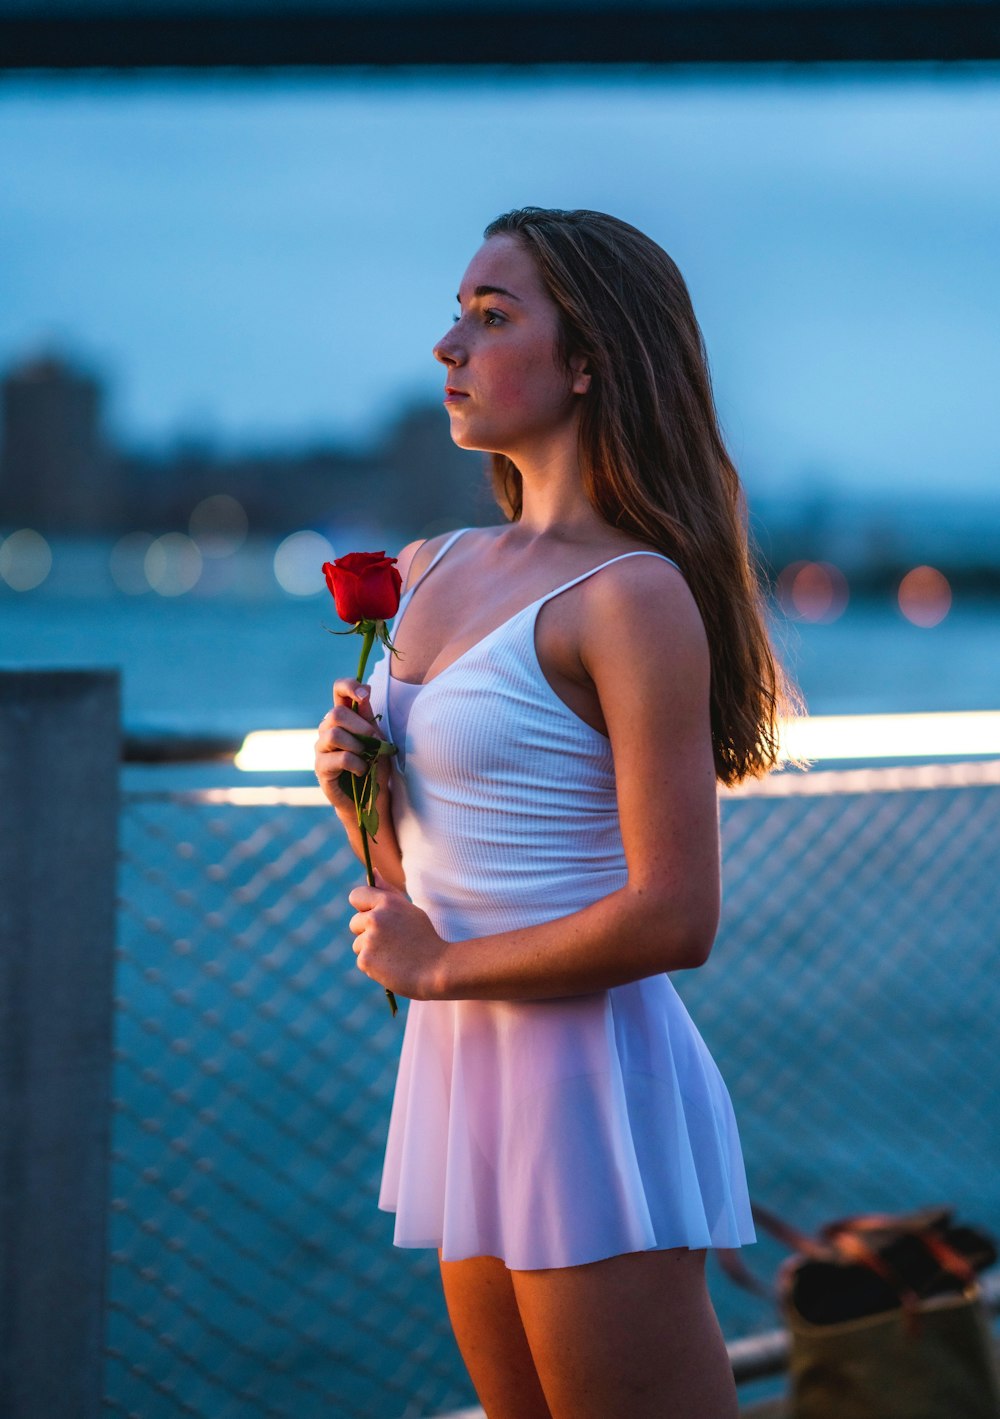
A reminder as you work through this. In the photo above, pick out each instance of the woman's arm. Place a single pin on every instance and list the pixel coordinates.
(653, 686)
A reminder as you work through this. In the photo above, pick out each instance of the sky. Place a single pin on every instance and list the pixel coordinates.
(269, 259)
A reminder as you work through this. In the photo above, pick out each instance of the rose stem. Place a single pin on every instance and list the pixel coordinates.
(366, 645)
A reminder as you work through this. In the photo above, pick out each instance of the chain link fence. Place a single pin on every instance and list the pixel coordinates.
(851, 1002)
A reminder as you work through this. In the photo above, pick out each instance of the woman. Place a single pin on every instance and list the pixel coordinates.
(575, 679)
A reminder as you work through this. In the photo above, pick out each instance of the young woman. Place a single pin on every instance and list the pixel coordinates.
(570, 684)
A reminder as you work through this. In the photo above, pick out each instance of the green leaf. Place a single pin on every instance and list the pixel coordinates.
(374, 747)
(344, 781)
(352, 630)
(382, 634)
(367, 798)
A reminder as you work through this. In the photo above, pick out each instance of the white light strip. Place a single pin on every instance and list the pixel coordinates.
(824, 738)
(277, 751)
(892, 736)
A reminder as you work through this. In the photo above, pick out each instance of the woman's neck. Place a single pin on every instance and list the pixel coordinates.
(553, 502)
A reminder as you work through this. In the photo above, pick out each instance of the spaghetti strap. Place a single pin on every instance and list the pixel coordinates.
(555, 590)
(435, 559)
(600, 567)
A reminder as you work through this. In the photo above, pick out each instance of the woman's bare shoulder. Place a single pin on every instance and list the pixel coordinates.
(416, 556)
(414, 559)
(648, 594)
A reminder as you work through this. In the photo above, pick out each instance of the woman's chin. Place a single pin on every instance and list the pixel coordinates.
(465, 438)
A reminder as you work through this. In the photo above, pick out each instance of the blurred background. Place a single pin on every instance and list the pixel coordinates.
(221, 292)
(228, 242)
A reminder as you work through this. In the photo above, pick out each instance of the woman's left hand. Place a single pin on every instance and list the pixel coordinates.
(395, 942)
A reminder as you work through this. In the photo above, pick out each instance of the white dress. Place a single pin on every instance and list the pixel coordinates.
(551, 1132)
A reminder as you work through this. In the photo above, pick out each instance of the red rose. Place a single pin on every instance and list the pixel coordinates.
(365, 586)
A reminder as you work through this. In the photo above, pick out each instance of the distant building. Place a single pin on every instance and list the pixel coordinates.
(56, 472)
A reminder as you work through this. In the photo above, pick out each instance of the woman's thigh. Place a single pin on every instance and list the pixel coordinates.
(632, 1337)
(484, 1316)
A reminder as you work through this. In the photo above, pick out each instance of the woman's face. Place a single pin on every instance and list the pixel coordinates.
(505, 389)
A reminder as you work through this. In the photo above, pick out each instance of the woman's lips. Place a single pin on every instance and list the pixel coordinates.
(454, 396)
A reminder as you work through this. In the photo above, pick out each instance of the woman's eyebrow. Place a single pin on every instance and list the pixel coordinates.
(490, 291)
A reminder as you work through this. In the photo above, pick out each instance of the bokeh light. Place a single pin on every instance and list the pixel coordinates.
(219, 525)
(173, 564)
(924, 596)
(813, 591)
(127, 563)
(25, 559)
(298, 563)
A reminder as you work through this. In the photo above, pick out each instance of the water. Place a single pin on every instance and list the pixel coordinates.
(233, 666)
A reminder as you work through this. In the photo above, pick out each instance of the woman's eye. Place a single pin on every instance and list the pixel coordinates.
(489, 317)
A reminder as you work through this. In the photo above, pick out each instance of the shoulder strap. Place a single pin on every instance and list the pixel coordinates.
(435, 559)
(583, 575)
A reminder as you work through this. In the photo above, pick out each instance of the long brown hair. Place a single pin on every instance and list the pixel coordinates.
(652, 455)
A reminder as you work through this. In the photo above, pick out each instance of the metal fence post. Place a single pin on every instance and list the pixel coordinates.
(59, 764)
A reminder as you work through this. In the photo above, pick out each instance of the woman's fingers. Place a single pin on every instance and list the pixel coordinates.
(343, 725)
(337, 746)
(330, 763)
(333, 757)
(347, 692)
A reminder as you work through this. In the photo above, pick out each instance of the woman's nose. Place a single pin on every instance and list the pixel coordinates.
(448, 350)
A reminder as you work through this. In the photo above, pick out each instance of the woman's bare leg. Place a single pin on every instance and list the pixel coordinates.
(487, 1326)
(632, 1337)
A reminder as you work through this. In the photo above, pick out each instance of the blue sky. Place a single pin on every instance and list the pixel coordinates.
(271, 258)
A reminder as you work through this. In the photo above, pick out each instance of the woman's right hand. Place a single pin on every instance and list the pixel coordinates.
(338, 749)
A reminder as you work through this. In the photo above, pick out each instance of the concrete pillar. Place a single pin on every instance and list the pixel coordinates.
(59, 762)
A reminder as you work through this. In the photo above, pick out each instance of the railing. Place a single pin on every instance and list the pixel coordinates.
(850, 1001)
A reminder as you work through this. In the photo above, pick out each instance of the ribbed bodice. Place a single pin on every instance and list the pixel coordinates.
(504, 800)
(401, 697)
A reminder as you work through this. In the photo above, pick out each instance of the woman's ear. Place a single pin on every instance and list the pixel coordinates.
(581, 374)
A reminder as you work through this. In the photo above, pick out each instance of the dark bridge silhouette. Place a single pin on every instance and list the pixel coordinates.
(264, 34)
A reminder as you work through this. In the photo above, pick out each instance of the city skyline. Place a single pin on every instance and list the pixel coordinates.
(63, 476)
(63, 471)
